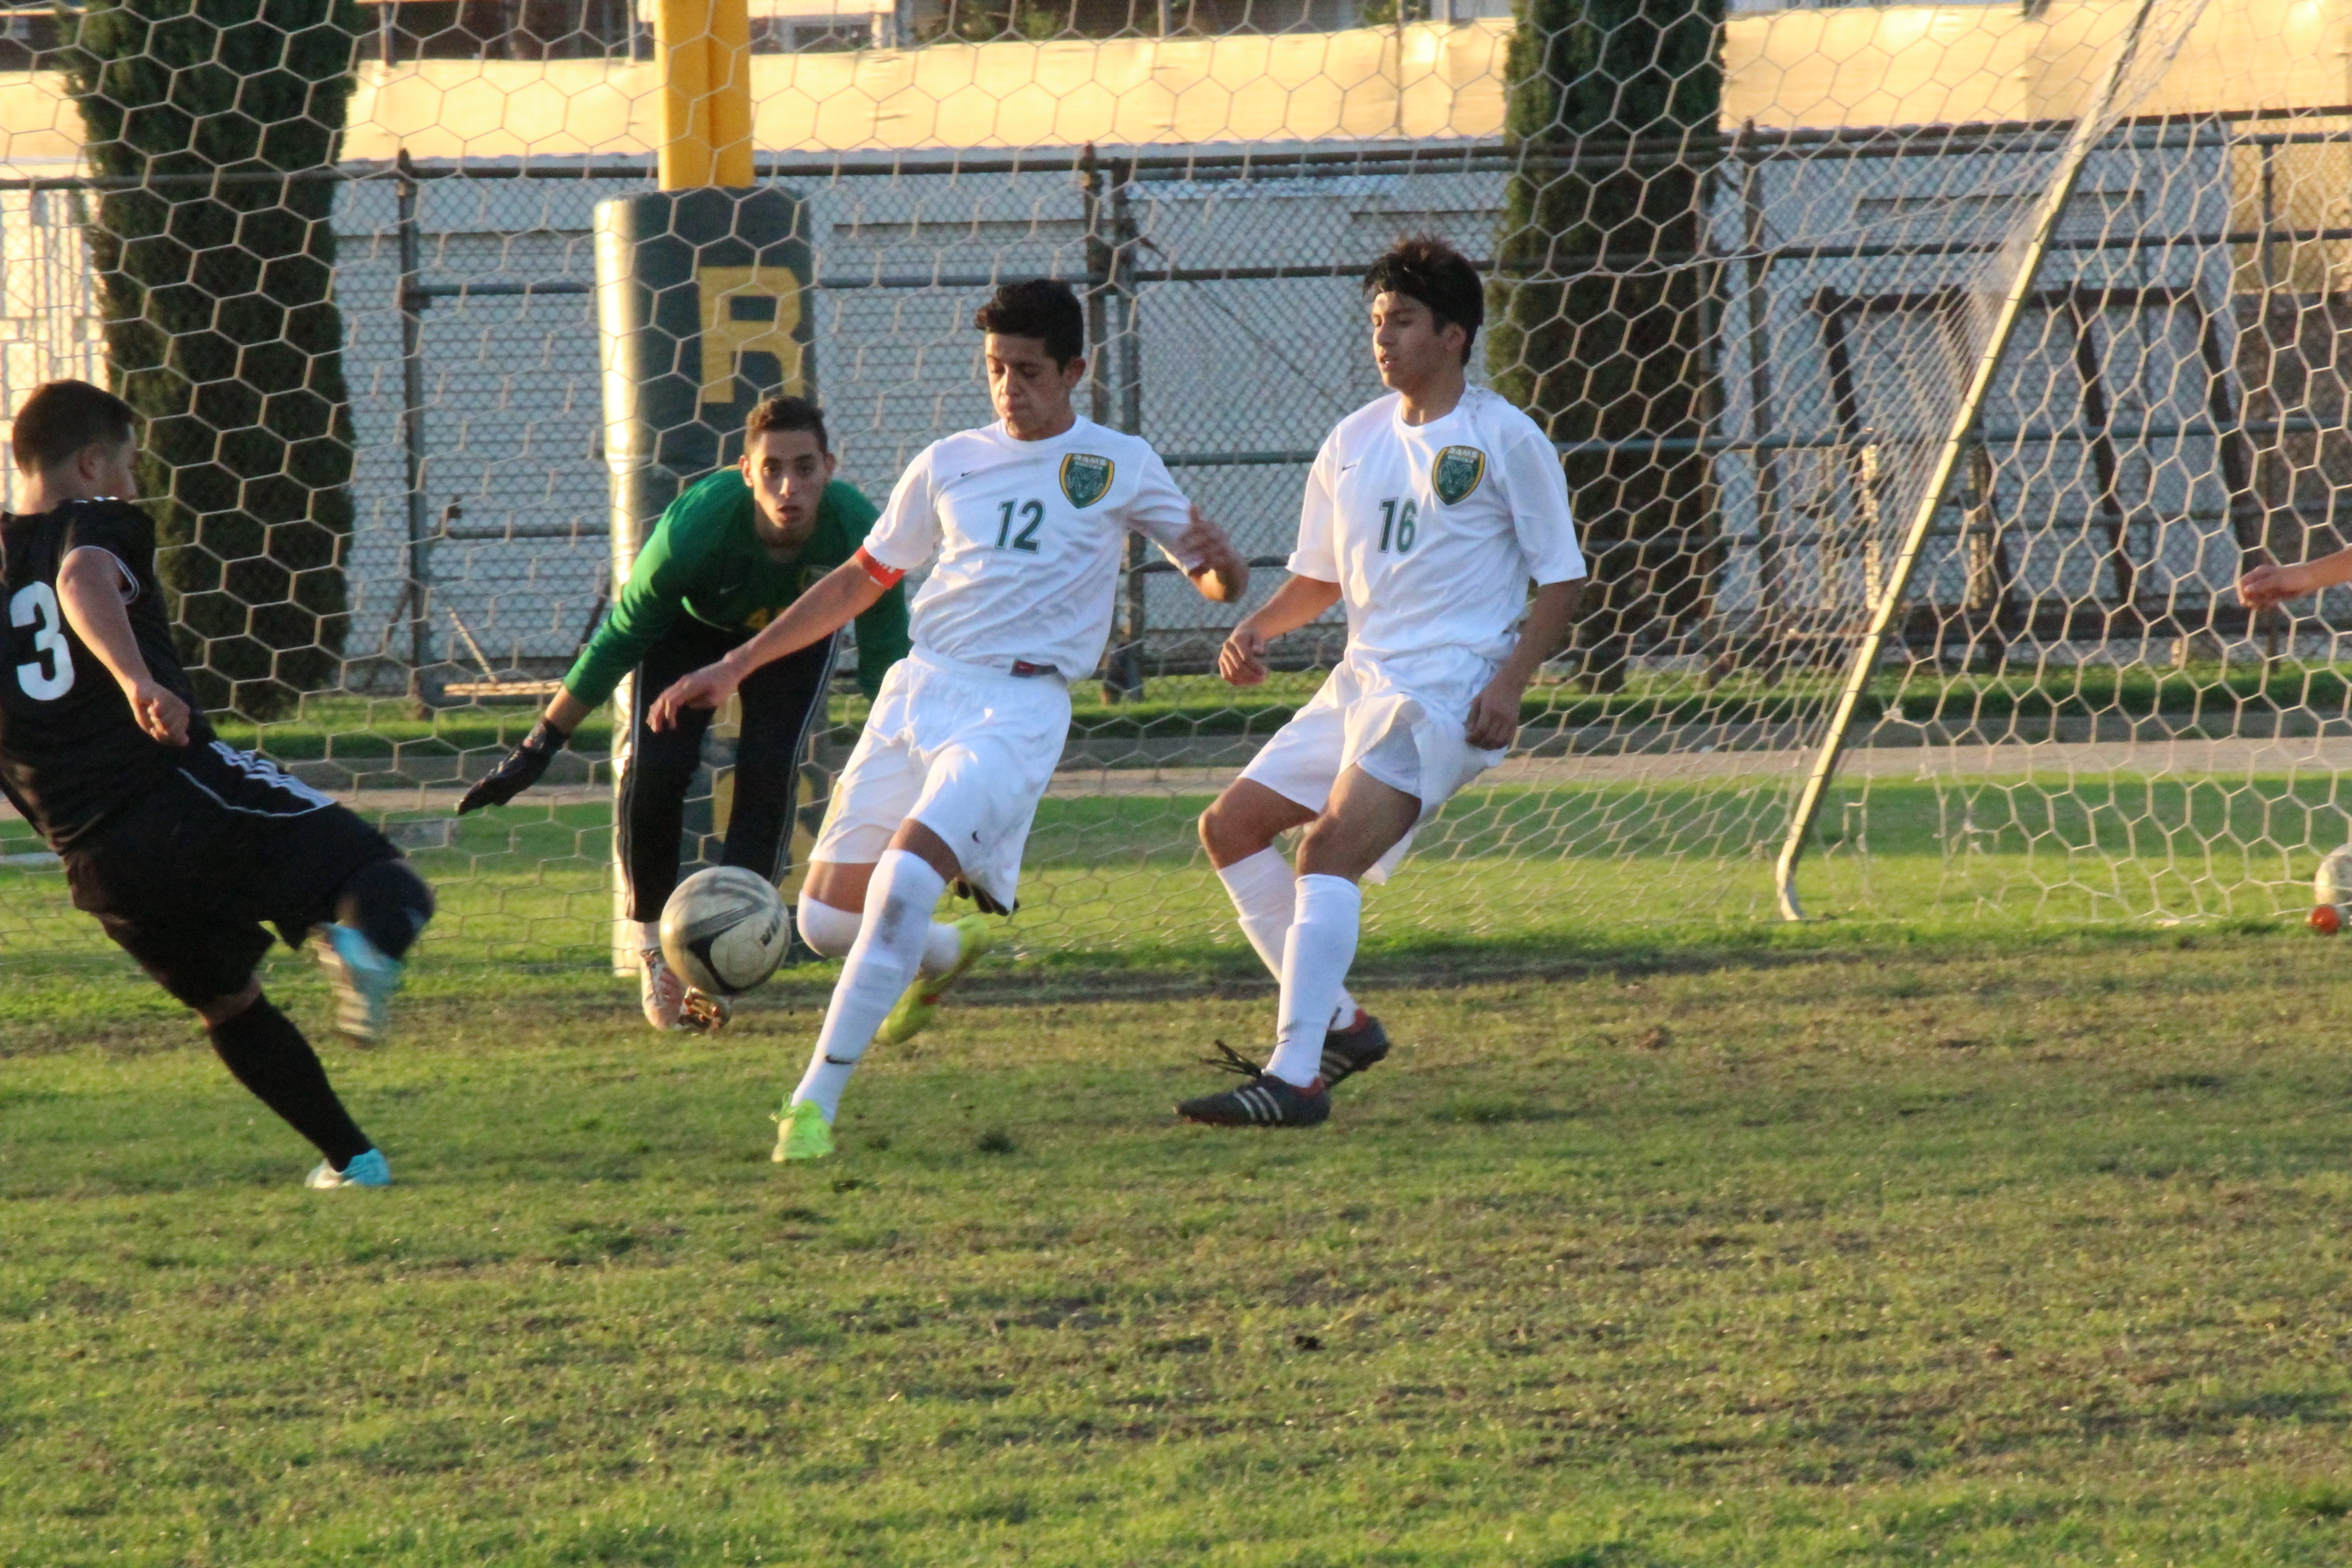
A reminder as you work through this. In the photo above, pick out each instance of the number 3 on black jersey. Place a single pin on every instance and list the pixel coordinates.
(52, 674)
(1031, 514)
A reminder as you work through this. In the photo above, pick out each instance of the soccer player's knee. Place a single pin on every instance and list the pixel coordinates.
(1224, 835)
(1329, 847)
(218, 1011)
(387, 903)
(829, 932)
(658, 767)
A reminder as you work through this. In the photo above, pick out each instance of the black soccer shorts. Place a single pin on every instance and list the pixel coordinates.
(183, 880)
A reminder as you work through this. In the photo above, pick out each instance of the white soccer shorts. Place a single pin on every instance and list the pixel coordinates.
(965, 751)
(1401, 720)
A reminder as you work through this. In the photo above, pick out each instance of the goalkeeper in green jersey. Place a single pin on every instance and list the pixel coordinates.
(727, 556)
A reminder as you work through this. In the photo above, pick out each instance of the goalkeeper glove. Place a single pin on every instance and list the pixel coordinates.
(519, 771)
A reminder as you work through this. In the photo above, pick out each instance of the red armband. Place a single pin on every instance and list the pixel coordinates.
(887, 576)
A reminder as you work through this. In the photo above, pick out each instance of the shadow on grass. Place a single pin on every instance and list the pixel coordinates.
(1148, 972)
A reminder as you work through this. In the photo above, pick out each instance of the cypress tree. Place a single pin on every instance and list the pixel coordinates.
(1602, 323)
(215, 278)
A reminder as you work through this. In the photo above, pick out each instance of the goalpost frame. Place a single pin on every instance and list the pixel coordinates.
(1888, 603)
(704, 50)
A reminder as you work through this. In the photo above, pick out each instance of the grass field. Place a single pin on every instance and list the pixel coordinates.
(1841, 1244)
(1118, 880)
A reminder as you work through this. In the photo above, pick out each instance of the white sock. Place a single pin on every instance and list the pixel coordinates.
(1265, 895)
(831, 933)
(941, 948)
(649, 936)
(882, 963)
(1314, 960)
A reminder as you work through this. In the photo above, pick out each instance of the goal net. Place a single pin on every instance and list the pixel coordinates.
(1746, 269)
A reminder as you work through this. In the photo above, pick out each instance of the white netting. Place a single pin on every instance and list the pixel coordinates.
(1743, 269)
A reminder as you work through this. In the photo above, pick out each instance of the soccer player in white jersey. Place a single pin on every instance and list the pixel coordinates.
(1427, 513)
(1028, 519)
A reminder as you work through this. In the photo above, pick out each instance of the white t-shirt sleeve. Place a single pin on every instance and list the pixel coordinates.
(1316, 555)
(1159, 512)
(1537, 490)
(908, 531)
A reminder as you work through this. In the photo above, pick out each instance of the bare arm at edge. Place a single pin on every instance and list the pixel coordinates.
(1494, 719)
(1242, 661)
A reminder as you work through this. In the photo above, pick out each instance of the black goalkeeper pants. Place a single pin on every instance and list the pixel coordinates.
(779, 702)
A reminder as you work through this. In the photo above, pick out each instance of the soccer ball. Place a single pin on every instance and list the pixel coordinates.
(724, 930)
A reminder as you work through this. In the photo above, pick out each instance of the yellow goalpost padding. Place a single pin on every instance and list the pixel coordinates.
(705, 49)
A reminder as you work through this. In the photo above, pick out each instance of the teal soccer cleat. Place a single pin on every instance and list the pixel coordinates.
(363, 978)
(367, 1170)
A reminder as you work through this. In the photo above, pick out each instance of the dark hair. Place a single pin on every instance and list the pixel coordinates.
(1042, 309)
(1424, 267)
(62, 417)
(786, 414)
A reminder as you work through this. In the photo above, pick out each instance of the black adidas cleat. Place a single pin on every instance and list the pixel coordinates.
(1346, 1053)
(1263, 1102)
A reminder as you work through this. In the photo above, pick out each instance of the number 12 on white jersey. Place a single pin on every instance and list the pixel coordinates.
(1031, 513)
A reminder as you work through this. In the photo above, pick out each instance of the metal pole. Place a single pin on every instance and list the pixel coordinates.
(1090, 185)
(2269, 211)
(1888, 598)
(1124, 682)
(1759, 394)
(412, 434)
(2268, 619)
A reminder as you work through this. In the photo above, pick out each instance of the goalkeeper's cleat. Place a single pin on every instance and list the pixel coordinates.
(364, 979)
(1265, 1102)
(915, 1009)
(660, 989)
(801, 1132)
(367, 1170)
(703, 1014)
(1346, 1052)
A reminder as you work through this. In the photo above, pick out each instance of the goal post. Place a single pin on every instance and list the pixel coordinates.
(702, 312)
(700, 290)
(2021, 261)
(703, 51)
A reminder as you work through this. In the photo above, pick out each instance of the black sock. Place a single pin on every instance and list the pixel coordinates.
(269, 1057)
(388, 903)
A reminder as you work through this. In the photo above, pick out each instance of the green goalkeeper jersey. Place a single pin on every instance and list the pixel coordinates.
(705, 560)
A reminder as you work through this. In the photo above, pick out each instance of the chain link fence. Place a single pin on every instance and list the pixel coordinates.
(2067, 711)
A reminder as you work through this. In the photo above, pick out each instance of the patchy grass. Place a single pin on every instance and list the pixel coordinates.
(2018, 1247)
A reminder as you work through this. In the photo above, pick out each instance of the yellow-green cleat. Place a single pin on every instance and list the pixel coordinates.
(801, 1133)
(915, 1009)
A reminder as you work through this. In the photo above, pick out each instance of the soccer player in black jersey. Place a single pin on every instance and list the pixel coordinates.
(181, 845)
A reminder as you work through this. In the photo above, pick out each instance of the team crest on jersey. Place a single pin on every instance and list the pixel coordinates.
(1456, 472)
(1085, 479)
